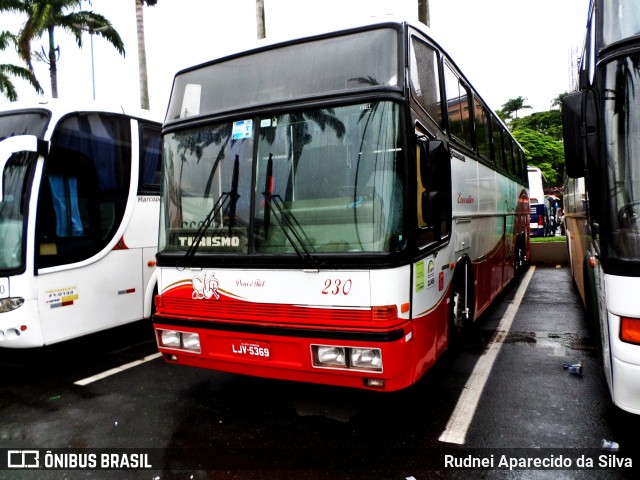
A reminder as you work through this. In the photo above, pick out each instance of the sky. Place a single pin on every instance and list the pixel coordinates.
(506, 48)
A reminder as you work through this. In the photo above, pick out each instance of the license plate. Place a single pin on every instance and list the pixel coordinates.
(251, 349)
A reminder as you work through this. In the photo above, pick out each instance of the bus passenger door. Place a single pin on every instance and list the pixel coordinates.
(431, 274)
(87, 280)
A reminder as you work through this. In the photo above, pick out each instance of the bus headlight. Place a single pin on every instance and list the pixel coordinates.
(347, 358)
(330, 356)
(366, 358)
(187, 341)
(191, 341)
(11, 303)
(169, 338)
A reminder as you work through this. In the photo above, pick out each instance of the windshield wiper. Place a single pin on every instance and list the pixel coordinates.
(231, 198)
(285, 221)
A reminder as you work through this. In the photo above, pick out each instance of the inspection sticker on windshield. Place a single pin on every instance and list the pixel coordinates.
(242, 129)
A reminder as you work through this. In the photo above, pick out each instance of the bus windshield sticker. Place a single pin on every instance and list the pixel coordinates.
(242, 129)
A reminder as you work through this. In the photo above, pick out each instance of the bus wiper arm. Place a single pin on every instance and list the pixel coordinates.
(232, 198)
(287, 226)
(195, 243)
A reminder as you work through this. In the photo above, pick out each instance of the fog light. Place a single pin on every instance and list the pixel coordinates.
(330, 356)
(366, 359)
(191, 341)
(169, 338)
(374, 382)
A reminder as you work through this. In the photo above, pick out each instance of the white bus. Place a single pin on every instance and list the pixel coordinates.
(336, 209)
(602, 194)
(79, 202)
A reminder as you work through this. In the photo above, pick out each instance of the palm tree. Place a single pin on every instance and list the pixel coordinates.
(44, 16)
(7, 70)
(262, 32)
(142, 53)
(515, 104)
(423, 12)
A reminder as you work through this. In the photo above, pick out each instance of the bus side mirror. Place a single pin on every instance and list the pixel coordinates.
(580, 126)
(435, 178)
(573, 138)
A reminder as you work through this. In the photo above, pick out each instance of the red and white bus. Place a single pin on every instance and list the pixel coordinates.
(79, 203)
(602, 145)
(335, 209)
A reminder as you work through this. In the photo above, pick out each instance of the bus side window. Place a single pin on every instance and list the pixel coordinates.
(458, 99)
(498, 148)
(150, 160)
(482, 128)
(425, 79)
(84, 189)
(434, 191)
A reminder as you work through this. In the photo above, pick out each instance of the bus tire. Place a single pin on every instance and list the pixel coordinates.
(460, 305)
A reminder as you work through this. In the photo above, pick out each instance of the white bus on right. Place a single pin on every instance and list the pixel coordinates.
(602, 191)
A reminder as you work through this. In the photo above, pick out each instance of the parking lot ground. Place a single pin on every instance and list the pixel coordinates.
(201, 424)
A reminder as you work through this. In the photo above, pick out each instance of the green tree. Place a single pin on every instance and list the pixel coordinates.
(544, 152)
(514, 105)
(548, 123)
(557, 102)
(8, 70)
(44, 16)
(142, 52)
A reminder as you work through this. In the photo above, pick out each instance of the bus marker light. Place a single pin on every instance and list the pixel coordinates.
(404, 308)
(630, 330)
(23, 328)
(592, 262)
(452, 265)
(151, 263)
(384, 313)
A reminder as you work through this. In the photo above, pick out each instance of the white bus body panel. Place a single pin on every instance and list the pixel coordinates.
(340, 289)
(622, 300)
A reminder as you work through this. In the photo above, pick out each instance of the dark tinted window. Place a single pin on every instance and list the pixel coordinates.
(425, 79)
(458, 107)
(84, 188)
(150, 160)
(498, 150)
(331, 65)
(21, 123)
(482, 120)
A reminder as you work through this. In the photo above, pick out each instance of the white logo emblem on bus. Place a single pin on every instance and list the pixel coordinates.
(205, 287)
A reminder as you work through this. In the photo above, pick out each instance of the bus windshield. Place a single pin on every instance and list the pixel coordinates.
(327, 180)
(622, 132)
(16, 178)
(621, 19)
